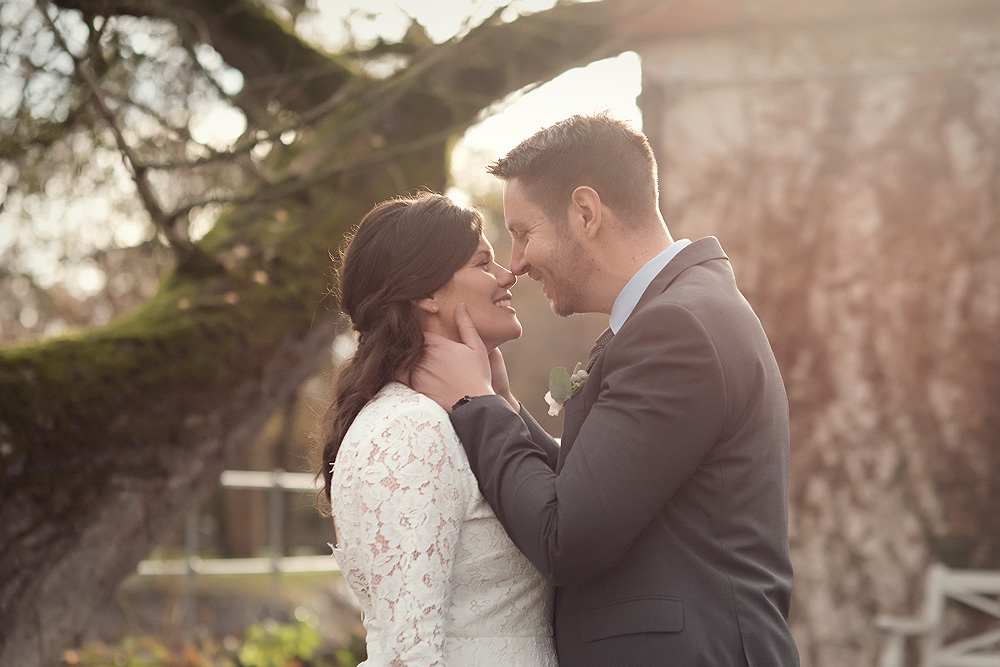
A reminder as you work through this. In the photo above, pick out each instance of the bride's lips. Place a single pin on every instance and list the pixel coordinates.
(504, 302)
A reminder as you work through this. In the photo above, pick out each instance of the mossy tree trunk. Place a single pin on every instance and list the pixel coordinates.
(111, 436)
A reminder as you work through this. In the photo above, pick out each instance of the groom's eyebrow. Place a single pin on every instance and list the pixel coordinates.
(515, 227)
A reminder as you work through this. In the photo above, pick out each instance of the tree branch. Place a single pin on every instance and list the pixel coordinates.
(276, 64)
(180, 243)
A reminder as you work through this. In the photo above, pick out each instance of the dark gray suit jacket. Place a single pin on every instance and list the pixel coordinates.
(662, 519)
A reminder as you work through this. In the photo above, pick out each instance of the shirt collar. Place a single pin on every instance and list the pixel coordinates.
(636, 286)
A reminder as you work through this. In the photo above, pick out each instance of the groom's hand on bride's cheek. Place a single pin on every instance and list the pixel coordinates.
(500, 381)
(450, 370)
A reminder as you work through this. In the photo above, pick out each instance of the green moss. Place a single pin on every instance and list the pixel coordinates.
(159, 373)
(79, 409)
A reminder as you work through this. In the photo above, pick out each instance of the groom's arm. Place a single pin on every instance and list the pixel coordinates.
(541, 437)
(659, 411)
(661, 406)
(501, 386)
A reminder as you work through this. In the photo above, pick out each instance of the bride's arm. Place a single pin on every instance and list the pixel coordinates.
(417, 502)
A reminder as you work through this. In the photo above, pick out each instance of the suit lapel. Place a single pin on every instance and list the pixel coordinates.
(578, 407)
(699, 252)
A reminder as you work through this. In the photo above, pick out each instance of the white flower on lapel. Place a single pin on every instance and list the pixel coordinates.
(563, 386)
(554, 406)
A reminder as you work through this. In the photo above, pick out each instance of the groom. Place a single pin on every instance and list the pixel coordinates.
(662, 519)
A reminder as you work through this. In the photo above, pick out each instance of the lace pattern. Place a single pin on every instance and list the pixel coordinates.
(438, 580)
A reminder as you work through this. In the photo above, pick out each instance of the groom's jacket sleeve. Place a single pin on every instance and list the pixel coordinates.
(540, 437)
(660, 407)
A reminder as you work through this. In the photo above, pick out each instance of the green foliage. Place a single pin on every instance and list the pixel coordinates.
(148, 652)
(269, 644)
(352, 654)
(274, 645)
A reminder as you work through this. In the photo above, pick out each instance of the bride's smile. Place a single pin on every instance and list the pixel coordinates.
(484, 287)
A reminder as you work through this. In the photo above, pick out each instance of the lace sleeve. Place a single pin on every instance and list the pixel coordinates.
(416, 497)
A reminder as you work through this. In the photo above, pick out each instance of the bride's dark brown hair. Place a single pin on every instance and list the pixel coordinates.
(403, 250)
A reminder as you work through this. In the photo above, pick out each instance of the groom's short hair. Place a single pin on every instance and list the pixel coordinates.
(598, 151)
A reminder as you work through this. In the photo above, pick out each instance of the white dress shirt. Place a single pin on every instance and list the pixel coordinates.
(636, 286)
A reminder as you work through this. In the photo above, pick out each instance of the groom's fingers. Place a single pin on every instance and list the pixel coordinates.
(467, 330)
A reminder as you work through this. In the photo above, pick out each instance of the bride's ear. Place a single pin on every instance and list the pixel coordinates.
(428, 304)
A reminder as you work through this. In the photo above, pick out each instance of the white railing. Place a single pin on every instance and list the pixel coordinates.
(978, 646)
(278, 483)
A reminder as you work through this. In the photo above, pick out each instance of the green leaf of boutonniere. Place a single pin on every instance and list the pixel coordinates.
(560, 386)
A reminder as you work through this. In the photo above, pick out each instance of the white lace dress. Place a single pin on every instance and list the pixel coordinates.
(439, 581)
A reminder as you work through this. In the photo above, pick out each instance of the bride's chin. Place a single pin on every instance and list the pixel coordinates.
(509, 336)
(495, 342)
(496, 336)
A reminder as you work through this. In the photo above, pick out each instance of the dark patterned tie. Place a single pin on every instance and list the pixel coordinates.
(602, 340)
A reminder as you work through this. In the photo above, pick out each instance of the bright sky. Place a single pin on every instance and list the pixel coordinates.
(611, 84)
(608, 85)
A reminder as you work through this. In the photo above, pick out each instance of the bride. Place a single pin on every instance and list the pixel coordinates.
(439, 581)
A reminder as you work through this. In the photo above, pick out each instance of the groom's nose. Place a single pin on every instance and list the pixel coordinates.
(518, 266)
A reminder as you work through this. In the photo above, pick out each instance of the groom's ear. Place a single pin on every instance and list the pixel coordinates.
(586, 211)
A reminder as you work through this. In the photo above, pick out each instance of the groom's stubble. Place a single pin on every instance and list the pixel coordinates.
(568, 277)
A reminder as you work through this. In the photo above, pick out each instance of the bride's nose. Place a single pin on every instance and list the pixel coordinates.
(506, 278)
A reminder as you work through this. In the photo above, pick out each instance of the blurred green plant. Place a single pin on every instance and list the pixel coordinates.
(355, 652)
(149, 652)
(269, 644)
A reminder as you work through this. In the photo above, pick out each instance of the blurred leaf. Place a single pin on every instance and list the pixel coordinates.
(559, 384)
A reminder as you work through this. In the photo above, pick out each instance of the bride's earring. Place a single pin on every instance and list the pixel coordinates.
(427, 304)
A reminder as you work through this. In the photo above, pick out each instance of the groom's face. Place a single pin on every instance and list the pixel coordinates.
(545, 249)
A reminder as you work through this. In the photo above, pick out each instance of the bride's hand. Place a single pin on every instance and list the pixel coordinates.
(501, 384)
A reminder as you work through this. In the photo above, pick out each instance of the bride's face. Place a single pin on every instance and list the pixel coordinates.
(484, 287)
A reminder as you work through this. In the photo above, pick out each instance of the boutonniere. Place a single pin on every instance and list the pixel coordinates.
(563, 386)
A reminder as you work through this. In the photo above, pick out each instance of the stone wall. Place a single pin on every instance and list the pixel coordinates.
(851, 170)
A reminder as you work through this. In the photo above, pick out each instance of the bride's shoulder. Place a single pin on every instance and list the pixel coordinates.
(396, 401)
(399, 417)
